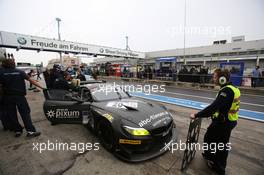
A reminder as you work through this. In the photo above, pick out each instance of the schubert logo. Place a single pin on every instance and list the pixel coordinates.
(21, 40)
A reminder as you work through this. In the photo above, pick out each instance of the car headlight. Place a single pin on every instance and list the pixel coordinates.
(136, 131)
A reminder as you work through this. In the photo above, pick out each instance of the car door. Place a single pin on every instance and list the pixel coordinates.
(60, 107)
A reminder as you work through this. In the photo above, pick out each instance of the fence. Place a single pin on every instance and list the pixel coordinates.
(246, 81)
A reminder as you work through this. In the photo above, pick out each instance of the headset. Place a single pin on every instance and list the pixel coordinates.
(222, 80)
(223, 75)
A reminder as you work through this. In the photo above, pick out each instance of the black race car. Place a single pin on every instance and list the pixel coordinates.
(131, 128)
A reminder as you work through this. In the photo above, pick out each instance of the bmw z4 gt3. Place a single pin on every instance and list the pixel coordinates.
(132, 128)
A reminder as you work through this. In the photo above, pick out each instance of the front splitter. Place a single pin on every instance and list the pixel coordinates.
(149, 154)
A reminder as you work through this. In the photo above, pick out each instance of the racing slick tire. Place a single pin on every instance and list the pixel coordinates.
(106, 135)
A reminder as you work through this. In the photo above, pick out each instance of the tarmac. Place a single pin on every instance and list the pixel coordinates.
(19, 157)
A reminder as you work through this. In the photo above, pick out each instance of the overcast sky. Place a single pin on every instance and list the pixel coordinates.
(150, 24)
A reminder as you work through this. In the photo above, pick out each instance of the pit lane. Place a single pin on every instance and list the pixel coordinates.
(17, 156)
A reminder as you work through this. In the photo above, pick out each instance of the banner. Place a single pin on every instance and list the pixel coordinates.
(20, 41)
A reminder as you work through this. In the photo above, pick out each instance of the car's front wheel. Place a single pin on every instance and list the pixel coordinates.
(106, 135)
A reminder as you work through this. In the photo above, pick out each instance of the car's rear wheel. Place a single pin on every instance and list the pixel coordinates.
(106, 135)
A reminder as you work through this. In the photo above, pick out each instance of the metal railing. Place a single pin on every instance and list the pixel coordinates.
(247, 81)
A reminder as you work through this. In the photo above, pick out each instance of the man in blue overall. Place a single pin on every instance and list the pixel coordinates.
(13, 83)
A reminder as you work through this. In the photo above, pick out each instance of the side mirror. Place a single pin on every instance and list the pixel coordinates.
(85, 95)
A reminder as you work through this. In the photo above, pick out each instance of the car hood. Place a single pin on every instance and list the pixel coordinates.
(142, 113)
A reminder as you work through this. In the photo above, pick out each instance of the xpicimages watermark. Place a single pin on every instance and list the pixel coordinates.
(80, 147)
(131, 88)
(182, 146)
(211, 31)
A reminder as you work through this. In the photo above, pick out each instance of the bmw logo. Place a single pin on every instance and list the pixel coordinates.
(22, 40)
(101, 50)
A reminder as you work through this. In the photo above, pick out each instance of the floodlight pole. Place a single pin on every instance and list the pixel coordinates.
(127, 47)
(59, 37)
(184, 38)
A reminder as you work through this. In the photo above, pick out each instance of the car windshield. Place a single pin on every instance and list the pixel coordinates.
(103, 94)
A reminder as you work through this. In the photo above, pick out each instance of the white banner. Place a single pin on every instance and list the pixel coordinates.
(20, 41)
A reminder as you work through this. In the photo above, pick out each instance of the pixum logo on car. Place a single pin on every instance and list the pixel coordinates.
(63, 113)
(22, 40)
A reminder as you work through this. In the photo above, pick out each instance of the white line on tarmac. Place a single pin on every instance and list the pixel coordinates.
(208, 98)
(211, 90)
(253, 95)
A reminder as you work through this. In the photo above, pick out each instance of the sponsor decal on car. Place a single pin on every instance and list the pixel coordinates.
(122, 105)
(151, 118)
(131, 142)
(62, 113)
(108, 117)
(164, 120)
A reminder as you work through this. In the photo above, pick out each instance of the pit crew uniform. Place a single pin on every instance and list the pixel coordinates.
(224, 113)
(13, 81)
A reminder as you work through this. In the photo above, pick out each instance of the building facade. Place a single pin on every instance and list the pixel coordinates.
(68, 61)
(249, 52)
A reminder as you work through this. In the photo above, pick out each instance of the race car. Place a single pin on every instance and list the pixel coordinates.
(131, 128)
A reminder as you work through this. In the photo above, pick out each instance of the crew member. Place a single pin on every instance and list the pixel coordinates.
(80, 75)
(224, 114)
(46, 75)
(64, 82)
(256, 75)
(38, 73)
(31, 75)
(3, 116)
(55, 73)
(14, 87)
